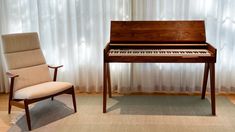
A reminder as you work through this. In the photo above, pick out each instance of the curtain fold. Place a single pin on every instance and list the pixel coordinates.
(74, 33)
(3, 78)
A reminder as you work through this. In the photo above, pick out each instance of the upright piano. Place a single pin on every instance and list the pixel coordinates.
(159, 42)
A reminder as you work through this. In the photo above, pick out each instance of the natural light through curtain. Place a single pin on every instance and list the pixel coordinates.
(74, 33)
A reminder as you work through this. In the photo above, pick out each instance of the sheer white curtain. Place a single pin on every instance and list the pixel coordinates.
(74, 32)
(3, 81)
(220, 30)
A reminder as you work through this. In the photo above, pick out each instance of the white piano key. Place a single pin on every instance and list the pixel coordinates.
(159, 52)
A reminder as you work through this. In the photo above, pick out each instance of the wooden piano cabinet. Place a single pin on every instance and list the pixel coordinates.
(160, 35)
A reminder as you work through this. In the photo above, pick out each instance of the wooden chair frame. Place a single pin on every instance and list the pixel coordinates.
(26, 102)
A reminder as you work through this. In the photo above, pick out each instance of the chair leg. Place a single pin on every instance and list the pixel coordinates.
(9, 107)
(74, 100)
(27, 114)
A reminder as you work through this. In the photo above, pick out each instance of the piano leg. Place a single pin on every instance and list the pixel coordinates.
(205, 78)
(104, 87)
(212, 81)
(109, 81)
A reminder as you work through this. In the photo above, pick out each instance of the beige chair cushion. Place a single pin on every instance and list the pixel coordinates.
(24, 59)
(41, 90)
(20, 42)
(22, 50)
(31, 76)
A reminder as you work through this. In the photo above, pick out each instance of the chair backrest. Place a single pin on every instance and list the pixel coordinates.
(24, 57)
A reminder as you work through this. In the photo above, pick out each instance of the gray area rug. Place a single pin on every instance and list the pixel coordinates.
(43, 113)
(162, 105)
(131, 113)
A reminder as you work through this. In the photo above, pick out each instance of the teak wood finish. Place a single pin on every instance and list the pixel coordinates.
(23, 103)
(159, 35)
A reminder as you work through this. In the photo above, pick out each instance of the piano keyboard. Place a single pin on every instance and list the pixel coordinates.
(159, 52)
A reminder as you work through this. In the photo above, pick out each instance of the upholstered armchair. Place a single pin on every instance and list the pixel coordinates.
(29, 75)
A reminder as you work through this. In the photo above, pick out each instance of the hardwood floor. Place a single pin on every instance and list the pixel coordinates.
(231, 98)
(5, 119)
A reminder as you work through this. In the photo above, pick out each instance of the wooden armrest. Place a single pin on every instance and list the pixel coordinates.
(11, 75)
(55, 67)
(55, 71)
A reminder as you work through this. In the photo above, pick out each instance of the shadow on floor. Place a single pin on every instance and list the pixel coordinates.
(162, 105)
(43, 113)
